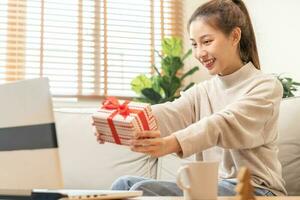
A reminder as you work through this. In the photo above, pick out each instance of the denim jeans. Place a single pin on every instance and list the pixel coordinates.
(151, 187)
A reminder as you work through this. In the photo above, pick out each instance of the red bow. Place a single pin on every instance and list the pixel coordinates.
(112, 103)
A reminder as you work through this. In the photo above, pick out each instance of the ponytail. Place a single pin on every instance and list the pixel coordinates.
(248, 48)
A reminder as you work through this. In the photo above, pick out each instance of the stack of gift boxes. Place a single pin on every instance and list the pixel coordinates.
(117, 121)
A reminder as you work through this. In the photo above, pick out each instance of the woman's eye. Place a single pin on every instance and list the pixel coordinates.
(194, 45)
(206, 42)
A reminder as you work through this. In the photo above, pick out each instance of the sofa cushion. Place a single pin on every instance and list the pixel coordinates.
(289, 143)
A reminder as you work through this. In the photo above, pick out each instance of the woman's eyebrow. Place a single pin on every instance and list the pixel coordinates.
(201, 37)
(204, 36)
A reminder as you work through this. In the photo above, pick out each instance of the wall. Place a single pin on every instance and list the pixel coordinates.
(277, 29)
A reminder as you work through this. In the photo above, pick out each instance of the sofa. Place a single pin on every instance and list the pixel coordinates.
(289, 144)
(87, 164)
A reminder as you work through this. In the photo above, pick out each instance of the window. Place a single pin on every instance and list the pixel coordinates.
(87, 48)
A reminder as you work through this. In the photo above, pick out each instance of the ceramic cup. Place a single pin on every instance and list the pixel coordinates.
(198, 180)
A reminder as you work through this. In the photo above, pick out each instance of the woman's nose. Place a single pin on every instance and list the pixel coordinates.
(201, 54)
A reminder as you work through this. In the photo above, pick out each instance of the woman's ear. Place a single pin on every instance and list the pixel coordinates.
(236, 36)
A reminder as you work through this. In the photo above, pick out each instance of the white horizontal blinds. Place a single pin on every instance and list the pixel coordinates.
(34, 39)
(86, 47)
(12, 40)
(3, 38)
(49, 38)
(89, 41)
(134, 29)
(128, 40)
(54, 45)
(63, 45)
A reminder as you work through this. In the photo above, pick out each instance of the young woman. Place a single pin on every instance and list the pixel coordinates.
(235, 112)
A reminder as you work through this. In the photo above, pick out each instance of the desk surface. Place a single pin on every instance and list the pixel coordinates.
(220, 198)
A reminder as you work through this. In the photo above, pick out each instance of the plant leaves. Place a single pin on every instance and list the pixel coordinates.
(164, 85)
(187, 54)
(153, 96)
(190, 72)
(288, 86)
(156, 69)
(139, 83)
(155, 84)
(170, 85)
(172, 46)
(175, 85)
(296, 83)
(189, 86)
(171, 64)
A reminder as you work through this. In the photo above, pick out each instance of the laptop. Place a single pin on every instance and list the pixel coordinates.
(83, 194)
(28, 145)
(29, 157)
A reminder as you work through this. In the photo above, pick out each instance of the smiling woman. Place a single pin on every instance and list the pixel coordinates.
(87, 48)
(233, 117)
(216, 51)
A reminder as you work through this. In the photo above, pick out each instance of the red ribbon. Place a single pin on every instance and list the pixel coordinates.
(112, 103)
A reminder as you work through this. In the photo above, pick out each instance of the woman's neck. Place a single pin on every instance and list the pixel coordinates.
(234, 66)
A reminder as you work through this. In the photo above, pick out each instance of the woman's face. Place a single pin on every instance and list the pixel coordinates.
(216, 51)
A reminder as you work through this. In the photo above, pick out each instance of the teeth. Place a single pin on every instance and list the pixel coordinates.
(209, 62)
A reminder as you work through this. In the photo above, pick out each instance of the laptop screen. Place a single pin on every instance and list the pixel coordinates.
(28, 145)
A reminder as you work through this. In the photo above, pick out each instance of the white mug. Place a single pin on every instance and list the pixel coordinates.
(198, 180)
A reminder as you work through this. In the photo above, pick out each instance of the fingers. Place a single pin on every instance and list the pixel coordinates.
(100, 141)
(143, 149)
(151, 146)
(146, 142)
(153, 151)
(147, 134)
(99, 138)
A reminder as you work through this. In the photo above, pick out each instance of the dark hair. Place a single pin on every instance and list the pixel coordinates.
(227, 15)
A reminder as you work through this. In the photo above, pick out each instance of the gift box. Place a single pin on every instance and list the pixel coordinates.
(118, 120)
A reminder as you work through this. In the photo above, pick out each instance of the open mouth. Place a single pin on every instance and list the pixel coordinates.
(209, 63)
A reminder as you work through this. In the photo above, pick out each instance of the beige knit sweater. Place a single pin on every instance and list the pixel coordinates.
(231, 118)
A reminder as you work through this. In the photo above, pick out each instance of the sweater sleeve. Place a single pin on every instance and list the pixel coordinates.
(176, 115)
(241, 125)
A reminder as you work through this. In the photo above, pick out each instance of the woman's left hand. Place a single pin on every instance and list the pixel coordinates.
(151, 143)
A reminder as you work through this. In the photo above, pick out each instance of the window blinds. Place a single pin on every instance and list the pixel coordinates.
(87, 48)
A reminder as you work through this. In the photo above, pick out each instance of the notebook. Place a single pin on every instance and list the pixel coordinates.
(29, 157)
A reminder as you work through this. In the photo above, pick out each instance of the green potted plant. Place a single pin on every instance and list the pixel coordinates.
(164, 85)
(289, 86)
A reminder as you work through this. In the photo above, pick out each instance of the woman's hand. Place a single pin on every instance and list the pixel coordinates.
(98, 135)
(151, 143)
